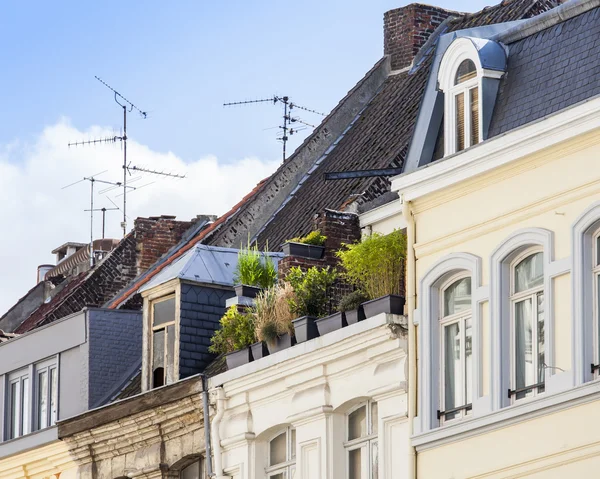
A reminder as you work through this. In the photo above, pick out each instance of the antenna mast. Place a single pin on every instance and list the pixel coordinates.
(287, 116)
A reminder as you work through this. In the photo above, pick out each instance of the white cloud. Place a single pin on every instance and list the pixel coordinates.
(37, 215)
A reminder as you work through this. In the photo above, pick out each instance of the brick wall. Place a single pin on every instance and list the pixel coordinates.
(339, 228)
(201, 310)
(406, 29)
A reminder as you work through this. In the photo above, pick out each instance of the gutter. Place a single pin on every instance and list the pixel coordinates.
(205, 411)
(216, 436)
(545, 20)
(412, 345)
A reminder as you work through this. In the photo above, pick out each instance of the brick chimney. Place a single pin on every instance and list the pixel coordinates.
(406, 29)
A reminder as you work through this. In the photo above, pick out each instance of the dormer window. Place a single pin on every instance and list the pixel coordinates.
(464, 73)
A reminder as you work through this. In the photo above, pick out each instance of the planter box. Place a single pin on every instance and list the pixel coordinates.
(392, 304)
(282, 342)
(331, 323)
(259, 350)
(303, 250)
(305, 328)
(238, 358)
(355, 315)
(246, 291)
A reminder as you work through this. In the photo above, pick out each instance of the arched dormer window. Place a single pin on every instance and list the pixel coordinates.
(469, 72)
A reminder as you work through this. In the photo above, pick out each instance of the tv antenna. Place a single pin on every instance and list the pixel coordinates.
(153, 172)
(127, 106)
(104, 210)
(92, 179)
(288, 106)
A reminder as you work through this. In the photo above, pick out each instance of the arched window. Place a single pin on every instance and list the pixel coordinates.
(193, 471)
(465, 94)
(527, 324)
(361, 441)
(282, 455)
(596, 288)
(456, 334)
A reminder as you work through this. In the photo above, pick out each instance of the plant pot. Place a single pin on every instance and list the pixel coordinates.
(282, 342)
(238, 358)
(305, 328)
(246, 291)
(303, 250)
(259, 350)
(355, 315)
(391, 304)
(331, 323)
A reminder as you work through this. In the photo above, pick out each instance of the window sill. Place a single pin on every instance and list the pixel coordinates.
(515, 413)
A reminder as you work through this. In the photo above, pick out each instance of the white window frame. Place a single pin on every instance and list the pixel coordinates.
(163, 326)
(289, 466)
(24, 427)
(460, 317)
(427, 318)
(47, 367)
(595, 367)
(515, 298)
(367, 443)
(450, 111)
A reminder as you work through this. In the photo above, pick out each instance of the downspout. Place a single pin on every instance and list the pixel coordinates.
(209, 468)
(216, 436)
(412, 334)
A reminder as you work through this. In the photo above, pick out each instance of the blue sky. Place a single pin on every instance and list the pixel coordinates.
(180, 61)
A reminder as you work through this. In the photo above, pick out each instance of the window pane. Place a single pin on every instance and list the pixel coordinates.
(354, 464)
(457, 297)
(598, 251)
(460, 121)
(374, 417)
(42, 400)
(540, 333)
(598, 306)
(357, 423)
(15, 400)
(53, 396)
(466, 70)
(277, 449)
(468, 362)
(280, 475)
(452, 372)
(374, 461)
(158, 358)
(25, 406)
(293, 445)
(525, 373)
(474, 102)
(164, 311)
(192, 471)
(529, 273)
(170, 354)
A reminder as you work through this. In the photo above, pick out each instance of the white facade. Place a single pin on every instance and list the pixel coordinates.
(309, 393)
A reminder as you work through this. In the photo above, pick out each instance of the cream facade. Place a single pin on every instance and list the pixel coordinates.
(503, 301)
(317, 409)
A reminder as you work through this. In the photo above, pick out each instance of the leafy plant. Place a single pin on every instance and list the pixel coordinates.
(313, 238)
(237, 332)
(255, 268)
(376, 265)
(272, 315)
(310, 288)
(352, 300)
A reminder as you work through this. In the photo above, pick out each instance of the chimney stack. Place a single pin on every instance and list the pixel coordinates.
(406, 29)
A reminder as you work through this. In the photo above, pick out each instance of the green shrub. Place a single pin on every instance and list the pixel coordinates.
(237, 332)
(255, 268)
(272, 314)
(352, 300)
(313, 238)
(376, 264)
(311, 288)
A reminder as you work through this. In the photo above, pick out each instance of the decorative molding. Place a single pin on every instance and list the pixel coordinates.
(310, 415)
(582, 314)
(429, 285)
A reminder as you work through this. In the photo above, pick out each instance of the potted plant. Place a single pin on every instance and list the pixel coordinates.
(376, 265)
(309, 246)
(310, 299)
(254, 271)
(234, 337)
(273, 318)
(351, 305)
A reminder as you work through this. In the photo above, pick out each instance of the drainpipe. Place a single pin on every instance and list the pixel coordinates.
(206, 425)
(218, 473)
(412, 334)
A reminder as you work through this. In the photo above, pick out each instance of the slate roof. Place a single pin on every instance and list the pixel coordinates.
(549, 71)
(380, 137)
